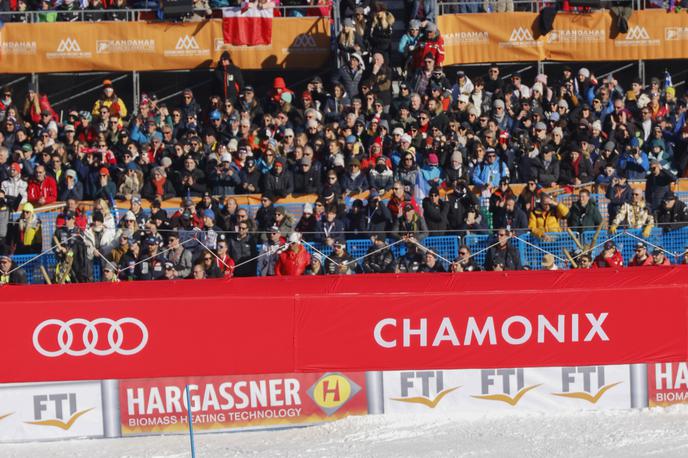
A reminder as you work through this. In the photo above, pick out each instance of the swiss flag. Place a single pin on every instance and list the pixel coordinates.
(247, 25)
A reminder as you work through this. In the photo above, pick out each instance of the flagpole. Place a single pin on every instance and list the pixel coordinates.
(190, 419)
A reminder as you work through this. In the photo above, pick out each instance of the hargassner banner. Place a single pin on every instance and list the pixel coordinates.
(667, 384)
(547, 389)
(33, 412)
(229, 402)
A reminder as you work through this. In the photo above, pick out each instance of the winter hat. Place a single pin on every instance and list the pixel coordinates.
(597, 125)
(406, 138)
(308, 209)
(538, 87)
(584, 71)
(286, 97)
(433, 159)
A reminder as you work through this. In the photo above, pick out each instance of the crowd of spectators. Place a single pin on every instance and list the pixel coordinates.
(391, 152)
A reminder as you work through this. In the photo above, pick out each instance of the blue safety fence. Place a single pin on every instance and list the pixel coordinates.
(532, 256)
(477, 243)
(625, 241)
(676, 242)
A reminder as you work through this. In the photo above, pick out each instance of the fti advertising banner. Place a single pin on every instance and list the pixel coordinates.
(50, 411)
(667, 384)
(545, 389)
(222, 403)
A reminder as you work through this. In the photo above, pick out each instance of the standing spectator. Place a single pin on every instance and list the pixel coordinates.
(379, 36)
(635, 215)
(584, 214)
(179, 256)
(431, 263)
(42, 189)
(410, 226)
(510, 216)
(71, 187)
(269, 253)
(111, 101)
(340, 262)
(657, 185)
(545, 217)
(14, 187)
(26, 235)
(435, 212)
(242, 249)
(672, 214)
(229, 81)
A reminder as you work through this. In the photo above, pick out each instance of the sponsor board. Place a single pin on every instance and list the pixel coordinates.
(466, 38)
(18, 47)
(125, 46)
(637, 36)
(50, 411)
(187, 46)
(667, 384)
(576, 36)
(554, 388)
(68, 48)
(520, 37)
(675, 33)
(223, 403)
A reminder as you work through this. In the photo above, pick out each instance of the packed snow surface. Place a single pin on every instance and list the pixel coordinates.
(656, 432)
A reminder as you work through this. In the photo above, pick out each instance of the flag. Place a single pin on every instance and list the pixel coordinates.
(667, 79)
(247, 25)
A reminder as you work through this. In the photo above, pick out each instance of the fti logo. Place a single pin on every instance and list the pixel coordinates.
(3, 416)
(58, 410)
(585, 382)
(505, 385)
(430, 384)
(331, 391)
(68, 48)
(186, 45)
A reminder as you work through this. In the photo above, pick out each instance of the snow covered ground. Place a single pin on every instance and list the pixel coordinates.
(657, 432)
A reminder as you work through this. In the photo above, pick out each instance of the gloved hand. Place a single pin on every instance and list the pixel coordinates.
(647, 231)
(612, 229)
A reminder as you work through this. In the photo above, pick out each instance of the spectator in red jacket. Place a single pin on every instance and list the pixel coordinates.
(609, 257)
(294, 260)
(659, 258)
(641, 257)
(42, 188)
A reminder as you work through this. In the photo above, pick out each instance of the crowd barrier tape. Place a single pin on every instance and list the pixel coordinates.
(297, 43)
(347, 323)
(515, 37)
(153, 406)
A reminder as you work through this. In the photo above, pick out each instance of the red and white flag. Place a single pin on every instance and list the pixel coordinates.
(247, 25)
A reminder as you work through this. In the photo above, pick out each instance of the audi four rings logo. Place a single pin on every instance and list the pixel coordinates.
(89, 336)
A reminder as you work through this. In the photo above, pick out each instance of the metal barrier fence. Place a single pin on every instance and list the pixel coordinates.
(531, 248)
(145, 11)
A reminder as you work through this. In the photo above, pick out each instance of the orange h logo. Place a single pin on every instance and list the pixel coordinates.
(334, 391)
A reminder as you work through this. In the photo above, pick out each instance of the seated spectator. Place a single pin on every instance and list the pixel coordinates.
(330, 228)
(504, 255)
(9, 273)
(316, 266)
(465, 262)
(340, 262)
(179, 256)
(659, 258)
(610, 256)
(294, 260)
(431, 263)
(71, 187)
(641, 257)
(379, 259)
(410, 226)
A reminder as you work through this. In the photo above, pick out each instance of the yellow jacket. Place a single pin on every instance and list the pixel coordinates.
(541, 221)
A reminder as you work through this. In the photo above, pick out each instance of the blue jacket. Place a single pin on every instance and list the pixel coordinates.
(484, 173)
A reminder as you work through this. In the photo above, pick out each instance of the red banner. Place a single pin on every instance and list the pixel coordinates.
(344, 323)
(221, 403)
(667, 384)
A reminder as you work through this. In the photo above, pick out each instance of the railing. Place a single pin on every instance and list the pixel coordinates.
(139, 14)
(533, 6)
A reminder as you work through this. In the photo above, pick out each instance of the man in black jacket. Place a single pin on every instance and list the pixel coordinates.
(504, 255)
(306, 178)
(242, 248)
(511, 216)
(380, 259)
(672, 213)
(228, 78)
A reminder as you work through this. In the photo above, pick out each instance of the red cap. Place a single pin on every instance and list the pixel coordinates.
(16, 167)
(104, 171)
